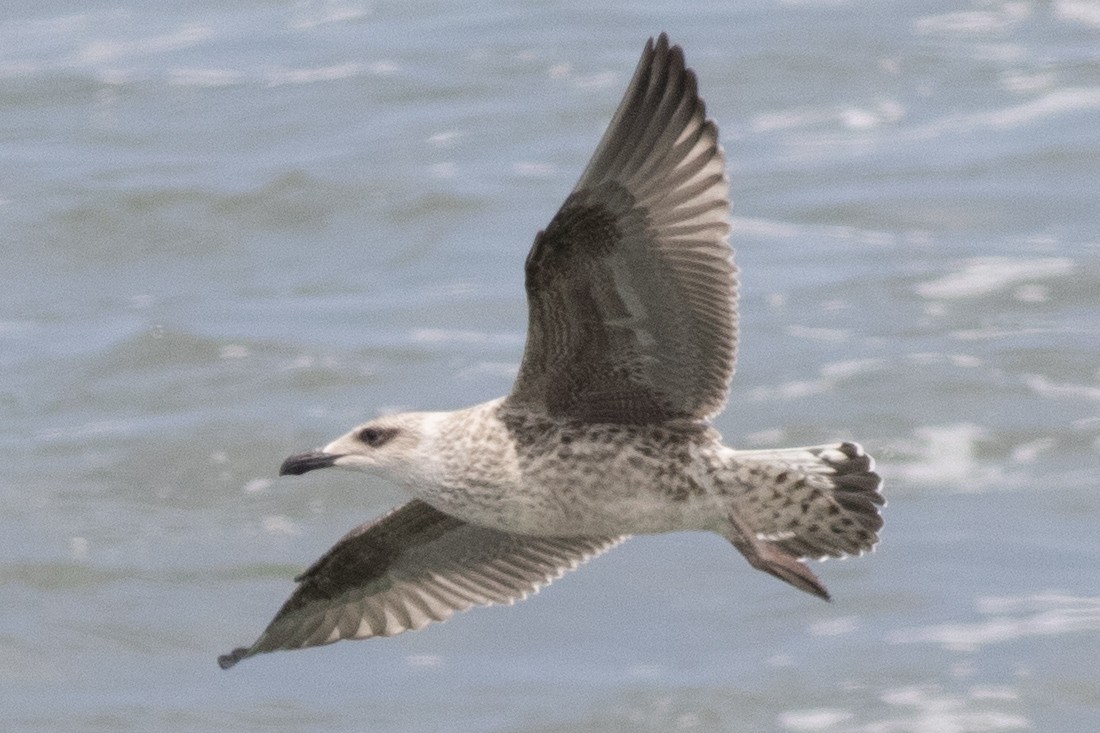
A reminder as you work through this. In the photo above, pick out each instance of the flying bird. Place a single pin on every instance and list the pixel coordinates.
(631, 339)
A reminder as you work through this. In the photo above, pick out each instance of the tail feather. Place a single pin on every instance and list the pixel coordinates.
(814, 502)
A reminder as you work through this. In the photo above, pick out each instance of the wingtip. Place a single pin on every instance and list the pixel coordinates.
(663, 46)
(225, 661)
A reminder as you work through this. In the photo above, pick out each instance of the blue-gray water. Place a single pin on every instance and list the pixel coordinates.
(231, 230)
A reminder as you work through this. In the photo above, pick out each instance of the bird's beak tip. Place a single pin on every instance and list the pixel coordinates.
(303, 462)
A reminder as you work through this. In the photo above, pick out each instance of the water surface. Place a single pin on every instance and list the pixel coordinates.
(231, 232)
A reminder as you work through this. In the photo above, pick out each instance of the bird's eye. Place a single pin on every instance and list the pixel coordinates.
(375, 436)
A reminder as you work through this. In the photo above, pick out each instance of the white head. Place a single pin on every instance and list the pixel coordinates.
(397, 447)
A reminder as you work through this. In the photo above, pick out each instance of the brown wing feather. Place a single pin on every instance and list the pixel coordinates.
(409, 568)
(631, 288)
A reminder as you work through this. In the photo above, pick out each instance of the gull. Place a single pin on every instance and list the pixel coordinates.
(631, 339)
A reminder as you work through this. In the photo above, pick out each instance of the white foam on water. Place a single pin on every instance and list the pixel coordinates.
(851, 116)
(257, 485)
(835, 627)
(205, 78)
(846, 369)
(1007, 619)
(994, 692)
(834, 335)
(98, 52)
(790, 390)
(78, 548)
(934, 710)
(1044, 387)
(742, 227)
(1032, 293)
(1030, 452)
(531, 169)
(277, 524)
(1055, 103)
(814, 719)
(593, 80)
(790, 119)
(234, 351)
(383, 68)
(424, 660)
(963, 361)
(1027, 83)
(973, 22)
(764, 228)
(918, 709)
(444, 138)
(985, 275)
(313, 13)
(1085, 12)
(279, 77)
(945, 455)
(830, 376)
(883, 112)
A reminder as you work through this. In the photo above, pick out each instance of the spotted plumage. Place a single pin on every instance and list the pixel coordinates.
(631, 341)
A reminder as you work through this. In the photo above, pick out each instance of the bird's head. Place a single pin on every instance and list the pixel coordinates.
(392, 447)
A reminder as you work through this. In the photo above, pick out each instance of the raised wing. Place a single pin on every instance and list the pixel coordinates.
(631, 289)
(409, 568)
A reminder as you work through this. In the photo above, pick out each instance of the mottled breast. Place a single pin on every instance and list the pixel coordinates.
(527, 472)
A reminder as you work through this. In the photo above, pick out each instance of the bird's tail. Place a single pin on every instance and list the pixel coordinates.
(815, 502)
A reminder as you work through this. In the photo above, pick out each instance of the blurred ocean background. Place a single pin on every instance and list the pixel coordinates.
(229, 231)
